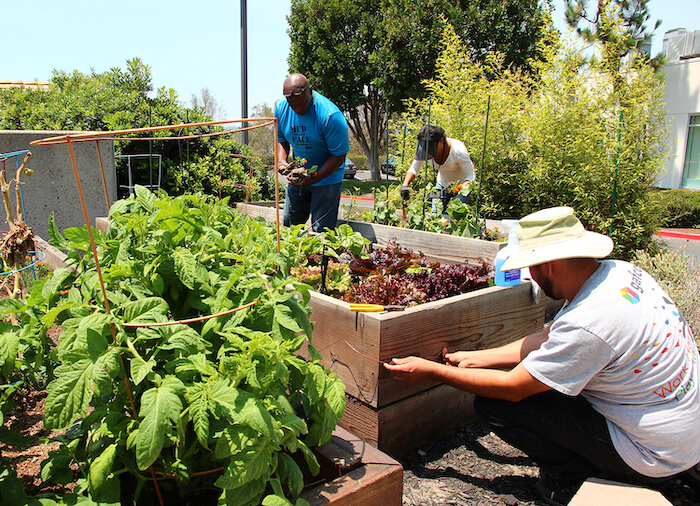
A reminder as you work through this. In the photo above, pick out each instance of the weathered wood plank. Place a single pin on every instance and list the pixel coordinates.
(442, 247)
(355, 344)
(377, 480)
(263, 209)
(410, 423)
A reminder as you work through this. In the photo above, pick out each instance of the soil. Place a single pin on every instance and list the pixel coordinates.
(466, 468)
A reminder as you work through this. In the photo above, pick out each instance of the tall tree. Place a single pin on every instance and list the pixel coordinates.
(334, 43)
(366, 55)
(601, 20)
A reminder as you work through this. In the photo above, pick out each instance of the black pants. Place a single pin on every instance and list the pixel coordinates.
(564, 435)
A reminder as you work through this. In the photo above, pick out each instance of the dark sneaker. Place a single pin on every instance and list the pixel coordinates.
(557, 490)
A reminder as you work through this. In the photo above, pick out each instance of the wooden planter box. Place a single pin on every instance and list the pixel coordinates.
(448, 248)
(365, 475)
(395, 416)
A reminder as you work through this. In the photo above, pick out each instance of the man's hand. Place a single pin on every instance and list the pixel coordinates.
(299, 177)
(462, 359)
(411, 369)
(405, 192)
(286, 168)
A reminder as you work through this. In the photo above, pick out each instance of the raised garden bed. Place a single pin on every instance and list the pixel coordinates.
(453, 249)
(394, 416)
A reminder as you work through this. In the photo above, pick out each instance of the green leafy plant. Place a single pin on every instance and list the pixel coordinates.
(679, 275)
(159, 396)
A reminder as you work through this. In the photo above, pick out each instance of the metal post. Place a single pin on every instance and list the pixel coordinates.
(617, 168)
(244, 67)
(483, 154)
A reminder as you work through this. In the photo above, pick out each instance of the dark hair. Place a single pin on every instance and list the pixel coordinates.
(432, 133)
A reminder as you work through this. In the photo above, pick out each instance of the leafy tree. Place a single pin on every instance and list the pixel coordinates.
(261, 140)
(334, 44)
(208, 104)
(365, 54)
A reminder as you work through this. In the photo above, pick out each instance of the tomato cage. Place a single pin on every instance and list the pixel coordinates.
(127, 135)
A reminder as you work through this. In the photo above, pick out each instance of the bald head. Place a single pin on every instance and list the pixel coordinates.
(298, 93)
(295, 81)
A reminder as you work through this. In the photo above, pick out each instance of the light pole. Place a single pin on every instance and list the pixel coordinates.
(244, 67)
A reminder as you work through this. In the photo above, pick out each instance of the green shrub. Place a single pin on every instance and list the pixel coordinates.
(224, 177)
(679, 275)
(681, 208)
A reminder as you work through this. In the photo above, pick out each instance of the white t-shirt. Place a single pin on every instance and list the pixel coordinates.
(457, 167)
(622, 344)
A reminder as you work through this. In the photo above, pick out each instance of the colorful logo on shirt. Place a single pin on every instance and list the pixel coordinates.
(630, 295)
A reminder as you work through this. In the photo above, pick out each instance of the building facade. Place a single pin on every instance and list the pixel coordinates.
(682, 97)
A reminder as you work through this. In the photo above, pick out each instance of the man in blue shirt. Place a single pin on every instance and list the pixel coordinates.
(316, 132)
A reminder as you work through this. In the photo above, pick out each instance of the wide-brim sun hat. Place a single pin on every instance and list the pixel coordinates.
(555, 234)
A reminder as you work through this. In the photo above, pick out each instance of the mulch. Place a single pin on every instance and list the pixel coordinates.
(473, 466)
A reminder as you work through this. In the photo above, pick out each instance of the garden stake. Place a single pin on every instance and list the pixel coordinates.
(104, 294)
(427, 145)
(617, 156)
(483, 155)
(277, 192)
(102, 171)
(324, 270)
(387, 152)
(190, 320)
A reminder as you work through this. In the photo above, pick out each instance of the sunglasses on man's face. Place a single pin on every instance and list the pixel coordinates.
(296, 92)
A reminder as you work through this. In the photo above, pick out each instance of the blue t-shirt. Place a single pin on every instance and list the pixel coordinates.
(317, 135)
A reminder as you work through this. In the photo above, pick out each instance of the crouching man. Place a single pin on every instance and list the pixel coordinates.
(609, 389)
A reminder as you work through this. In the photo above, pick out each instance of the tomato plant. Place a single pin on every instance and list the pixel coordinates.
(153, 389)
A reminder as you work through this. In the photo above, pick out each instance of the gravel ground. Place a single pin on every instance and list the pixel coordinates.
(475, 467)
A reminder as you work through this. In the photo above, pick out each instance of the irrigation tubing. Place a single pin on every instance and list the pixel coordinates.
(31, 265)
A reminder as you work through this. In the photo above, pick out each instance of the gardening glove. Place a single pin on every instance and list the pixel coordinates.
(405, 192)
(297, 176)
(286, 168)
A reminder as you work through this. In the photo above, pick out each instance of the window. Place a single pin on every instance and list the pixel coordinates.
(691, 168)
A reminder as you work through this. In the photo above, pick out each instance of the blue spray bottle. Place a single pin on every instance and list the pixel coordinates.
(512, 277)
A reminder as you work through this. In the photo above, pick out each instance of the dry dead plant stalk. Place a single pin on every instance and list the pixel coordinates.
(19, 240)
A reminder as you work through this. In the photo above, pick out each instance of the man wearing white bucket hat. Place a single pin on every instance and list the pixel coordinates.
(609, 389)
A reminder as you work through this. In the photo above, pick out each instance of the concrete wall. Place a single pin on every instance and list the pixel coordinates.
(53, 187)
(682, 97)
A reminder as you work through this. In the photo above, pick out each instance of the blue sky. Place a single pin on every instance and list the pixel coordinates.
(188, 45)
